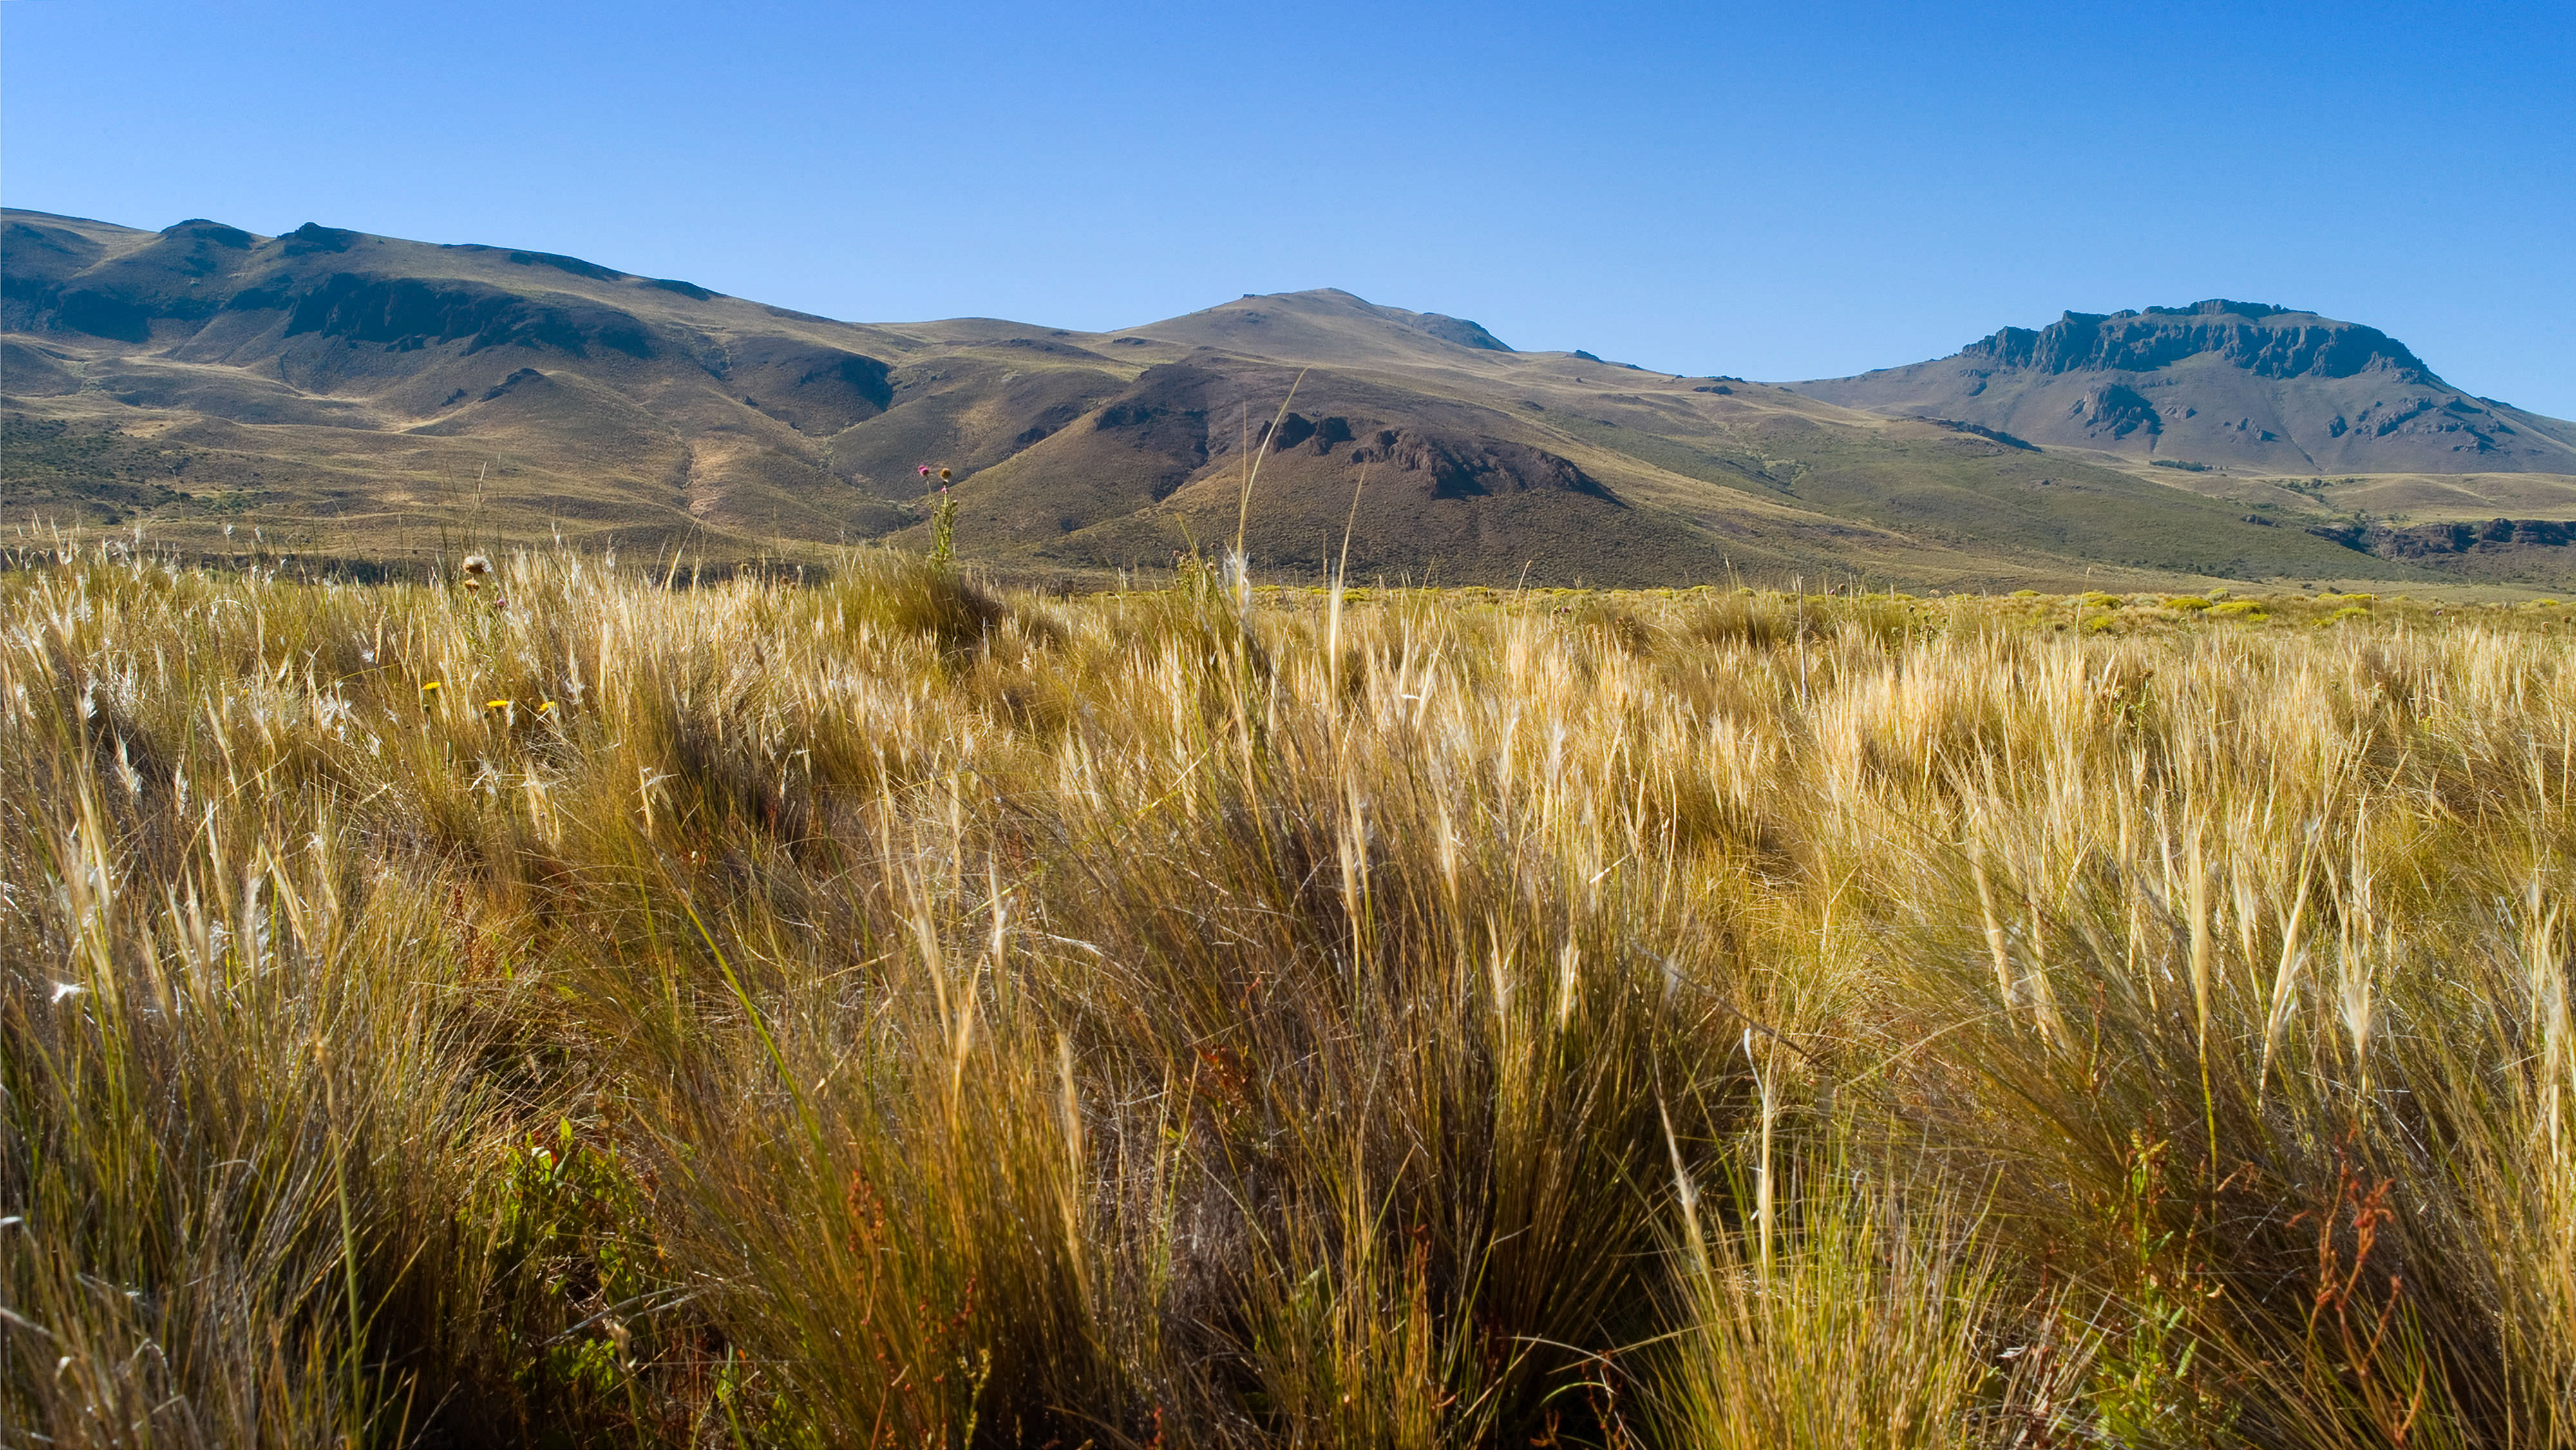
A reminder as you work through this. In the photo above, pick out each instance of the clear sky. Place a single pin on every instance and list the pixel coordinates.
(1782, 190)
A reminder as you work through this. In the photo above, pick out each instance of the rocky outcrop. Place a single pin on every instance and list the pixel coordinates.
(2271, 342)
(2115, 411)
(2244, 385)
(2434, 541)
(1464, 466)
(1991, 435)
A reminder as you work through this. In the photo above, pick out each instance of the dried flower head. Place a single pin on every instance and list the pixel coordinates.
(943, 478)
(476, 564)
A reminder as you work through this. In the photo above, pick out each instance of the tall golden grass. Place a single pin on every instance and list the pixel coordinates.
(902, 1012)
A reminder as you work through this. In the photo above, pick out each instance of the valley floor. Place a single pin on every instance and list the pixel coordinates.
(548, 1008)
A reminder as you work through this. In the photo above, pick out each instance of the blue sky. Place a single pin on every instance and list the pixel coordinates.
(1778, 190)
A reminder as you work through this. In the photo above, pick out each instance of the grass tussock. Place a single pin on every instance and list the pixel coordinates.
(902, 1012)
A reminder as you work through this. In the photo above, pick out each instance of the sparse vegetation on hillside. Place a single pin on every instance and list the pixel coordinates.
(360, 394)
(579, 1012)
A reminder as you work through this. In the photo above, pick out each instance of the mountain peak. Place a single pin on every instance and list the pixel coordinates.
(1324, 325)
(2249, 384)
(1457, 331)
(2269, 341)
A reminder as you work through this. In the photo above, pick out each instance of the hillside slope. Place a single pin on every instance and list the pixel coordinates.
(357, 380)
(355, 395)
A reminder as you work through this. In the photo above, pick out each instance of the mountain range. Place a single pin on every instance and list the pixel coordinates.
(356, 396)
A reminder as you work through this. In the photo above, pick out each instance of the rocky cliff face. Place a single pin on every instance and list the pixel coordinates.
(2270, 342)
(2242, 384)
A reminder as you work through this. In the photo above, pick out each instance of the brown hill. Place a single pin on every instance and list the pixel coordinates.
(367, 396)
(1430, 488)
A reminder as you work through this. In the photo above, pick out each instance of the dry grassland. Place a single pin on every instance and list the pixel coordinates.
(892, 1012)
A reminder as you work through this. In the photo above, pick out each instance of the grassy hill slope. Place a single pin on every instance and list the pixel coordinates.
(349, 394)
